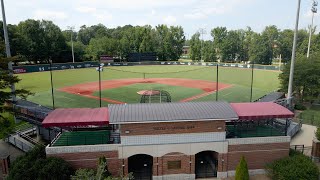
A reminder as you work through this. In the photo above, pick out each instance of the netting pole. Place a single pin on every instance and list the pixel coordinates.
(252, 67)
(217, 82)
(51, 81)
(100, 82)
(144, 75)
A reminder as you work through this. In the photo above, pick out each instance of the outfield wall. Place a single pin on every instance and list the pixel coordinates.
(63, 66)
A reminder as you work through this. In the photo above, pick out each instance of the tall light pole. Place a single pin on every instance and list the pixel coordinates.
(6, 40)
(293, 57)
(313, 10)
(202, 31)
(71, 28)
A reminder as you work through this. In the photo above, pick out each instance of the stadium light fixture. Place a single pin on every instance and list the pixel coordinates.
(313, 10)
(293, 57)
(71, 28)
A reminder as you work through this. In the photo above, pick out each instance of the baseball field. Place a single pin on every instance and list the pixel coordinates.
(80, 87)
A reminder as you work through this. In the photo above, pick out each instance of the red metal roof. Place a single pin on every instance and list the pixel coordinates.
(260, 110)
(77, 117)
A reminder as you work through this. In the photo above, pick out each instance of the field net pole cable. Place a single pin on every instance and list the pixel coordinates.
(217, 82)
(99, 82)
(252, 67)
(51, 81)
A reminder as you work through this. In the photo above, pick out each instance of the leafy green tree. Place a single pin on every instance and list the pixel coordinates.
(40, 41)
(306, 84)
(209, 53)
(5, 83)
(79, 51)
(242, 172)
(195, 47)
(231, 46)
(285, 44)
(272, 34)
(35, 165)
(219, 34)
(260, 52)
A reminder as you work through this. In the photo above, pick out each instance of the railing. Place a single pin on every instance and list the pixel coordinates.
(306, 150)
(295, 130)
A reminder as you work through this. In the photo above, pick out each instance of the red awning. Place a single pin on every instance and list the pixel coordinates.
(77, 117)
(261, 110)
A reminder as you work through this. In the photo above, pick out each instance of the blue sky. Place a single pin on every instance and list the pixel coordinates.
(190, 14)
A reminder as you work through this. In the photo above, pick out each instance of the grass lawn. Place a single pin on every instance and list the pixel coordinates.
(8, 125)
(129, 94)
(39, 83)
(311, 116)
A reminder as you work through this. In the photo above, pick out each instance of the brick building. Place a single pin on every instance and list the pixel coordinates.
(173, 140)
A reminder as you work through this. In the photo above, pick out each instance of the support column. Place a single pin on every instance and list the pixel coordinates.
(38, 134)
(222, 171)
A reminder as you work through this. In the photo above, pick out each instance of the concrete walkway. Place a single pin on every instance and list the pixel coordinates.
(305, 136)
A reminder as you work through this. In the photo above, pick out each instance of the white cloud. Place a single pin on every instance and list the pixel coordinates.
(84, 9)
(153, 12)
(170, 20)
(103, 16)
(134, 5)
(205, 8)
(50, 15)
(308, 14)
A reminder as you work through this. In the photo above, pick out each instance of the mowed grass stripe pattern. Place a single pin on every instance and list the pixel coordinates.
(129, 93)
(240, 79)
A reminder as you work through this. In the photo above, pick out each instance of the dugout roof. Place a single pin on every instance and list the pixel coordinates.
(77, 117)
(170, 112)
(261, 110)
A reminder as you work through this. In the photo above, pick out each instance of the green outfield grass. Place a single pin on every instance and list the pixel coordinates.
(240, 79)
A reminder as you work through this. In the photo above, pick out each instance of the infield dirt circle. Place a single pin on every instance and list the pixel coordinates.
(87, 89)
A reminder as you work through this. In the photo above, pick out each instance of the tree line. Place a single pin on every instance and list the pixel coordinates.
(247, 45)
(37, 41)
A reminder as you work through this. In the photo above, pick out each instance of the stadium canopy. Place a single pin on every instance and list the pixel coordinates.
(72, 117)
(261, 110)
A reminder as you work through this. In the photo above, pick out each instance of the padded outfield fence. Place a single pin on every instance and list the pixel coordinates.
(78, 65)
(195, 82)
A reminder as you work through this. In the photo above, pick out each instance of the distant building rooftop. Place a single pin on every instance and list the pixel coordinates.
(271, 97)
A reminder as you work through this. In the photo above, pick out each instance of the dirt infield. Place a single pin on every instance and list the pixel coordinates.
(87, 89)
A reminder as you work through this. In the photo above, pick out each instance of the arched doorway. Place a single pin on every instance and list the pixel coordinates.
(141, 166)
(206, 164)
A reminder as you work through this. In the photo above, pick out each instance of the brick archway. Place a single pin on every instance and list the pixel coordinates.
(141, 166)
(206, 164)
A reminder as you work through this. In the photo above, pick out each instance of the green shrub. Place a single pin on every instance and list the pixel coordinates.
(318, 133)
(35, 165)
(297, 166)
(299, 106)
(242, 172)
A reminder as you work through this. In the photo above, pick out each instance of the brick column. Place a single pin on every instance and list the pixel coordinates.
(193, 164)
(315, 151)
(5, 163)
(125, 167)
